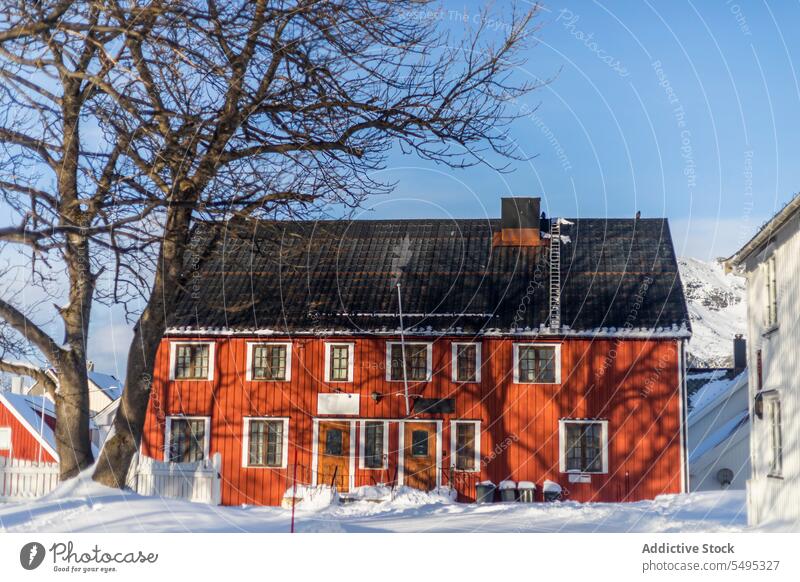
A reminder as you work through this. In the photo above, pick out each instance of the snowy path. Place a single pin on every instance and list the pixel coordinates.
(87, 507)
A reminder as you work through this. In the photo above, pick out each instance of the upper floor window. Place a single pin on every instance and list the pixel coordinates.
(537, 363)
(339, 362)
(269, 361)
(466, 362)
(192, 360)
(584, 446)
(187, 438)
(773, 406)
(772, 293)
(265, 442)
(417, 362)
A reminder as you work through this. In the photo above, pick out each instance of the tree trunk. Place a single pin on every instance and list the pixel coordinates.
(122, 444)
(73, 439)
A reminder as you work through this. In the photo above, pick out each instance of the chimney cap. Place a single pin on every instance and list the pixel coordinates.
(520, 212)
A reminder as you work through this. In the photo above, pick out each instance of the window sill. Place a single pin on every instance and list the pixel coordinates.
(770, 331)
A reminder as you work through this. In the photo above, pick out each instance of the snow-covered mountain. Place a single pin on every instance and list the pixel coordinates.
(717, 308)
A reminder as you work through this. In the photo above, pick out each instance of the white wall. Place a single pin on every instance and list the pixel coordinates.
(768, 497)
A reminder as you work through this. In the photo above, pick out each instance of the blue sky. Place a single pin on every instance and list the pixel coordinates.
(678, 109)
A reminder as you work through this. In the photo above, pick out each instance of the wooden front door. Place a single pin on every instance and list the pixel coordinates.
(419, 455)
(333, 465)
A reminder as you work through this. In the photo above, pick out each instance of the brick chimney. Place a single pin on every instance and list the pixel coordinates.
(519, 223)
(739, 354)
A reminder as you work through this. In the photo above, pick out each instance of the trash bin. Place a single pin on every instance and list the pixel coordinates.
(526, 491)
(508, 491)
(484, 492)
(551, 491)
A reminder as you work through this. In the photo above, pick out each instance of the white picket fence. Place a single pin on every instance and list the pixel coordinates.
(21, 480)
(198, 482)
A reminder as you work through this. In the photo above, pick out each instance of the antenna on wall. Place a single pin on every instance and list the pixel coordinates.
(403, 347)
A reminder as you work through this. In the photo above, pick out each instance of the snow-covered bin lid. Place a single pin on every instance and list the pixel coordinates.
(487, 483)
(551, 487)
(526, 485)
(508, 484)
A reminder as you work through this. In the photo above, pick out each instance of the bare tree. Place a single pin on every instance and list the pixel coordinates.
(58, 182)
(271, 109)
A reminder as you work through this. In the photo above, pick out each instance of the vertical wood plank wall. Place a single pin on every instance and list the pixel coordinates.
(24, 445)
(634, 384)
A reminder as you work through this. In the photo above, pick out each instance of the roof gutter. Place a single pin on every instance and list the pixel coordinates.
(763, 235)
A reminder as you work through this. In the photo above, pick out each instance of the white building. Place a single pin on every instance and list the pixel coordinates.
(719, 431)
(770, 262)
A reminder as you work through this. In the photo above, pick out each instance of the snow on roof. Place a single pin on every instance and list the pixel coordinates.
(714, 391)
(26, 409)
(107, 383)
(720, 435)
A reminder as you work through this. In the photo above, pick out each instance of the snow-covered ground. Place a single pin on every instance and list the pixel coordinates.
(717, 309)
(83, 506)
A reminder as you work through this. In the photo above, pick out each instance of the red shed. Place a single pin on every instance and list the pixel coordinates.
(429, 353)
(26, 428)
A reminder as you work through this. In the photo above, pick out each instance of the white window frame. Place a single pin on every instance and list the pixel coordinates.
(251, 346)
(362, 444)
(351, 350)
(770, 401)
(537, 345)
(246, 442)
(206, 433)
(454, 444)
(562, 444)
(173, 353)
(429, 363)
(454, 362)
(771, 287)
(6, 435)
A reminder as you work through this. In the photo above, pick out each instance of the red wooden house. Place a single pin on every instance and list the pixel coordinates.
(429, 353)
(27, 425)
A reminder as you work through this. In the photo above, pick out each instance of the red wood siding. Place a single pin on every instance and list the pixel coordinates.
(25, 445)
(634, 384)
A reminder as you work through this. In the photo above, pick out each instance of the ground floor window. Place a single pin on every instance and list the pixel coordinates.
(775, 436)
(584, 446)
(187, 439)
(374, 444)
(5, 438)
(465, 444)
(266, 441)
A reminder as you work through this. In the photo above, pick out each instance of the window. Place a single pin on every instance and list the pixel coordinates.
(418, 362)
(419, 443)
(192, 361)
(775, 437)
(187, 441)
(266, 442)
(537, 364)
(375, 444)
(5, 438)
(339, 362)
(333, 442)
(771, 318)
(466, 362)
(465, 445)
(584, 446)
(270, 362)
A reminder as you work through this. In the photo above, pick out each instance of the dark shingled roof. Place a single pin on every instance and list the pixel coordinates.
(617, 274)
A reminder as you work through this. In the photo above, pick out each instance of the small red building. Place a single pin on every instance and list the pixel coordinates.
(27, 425)
(429, 353)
